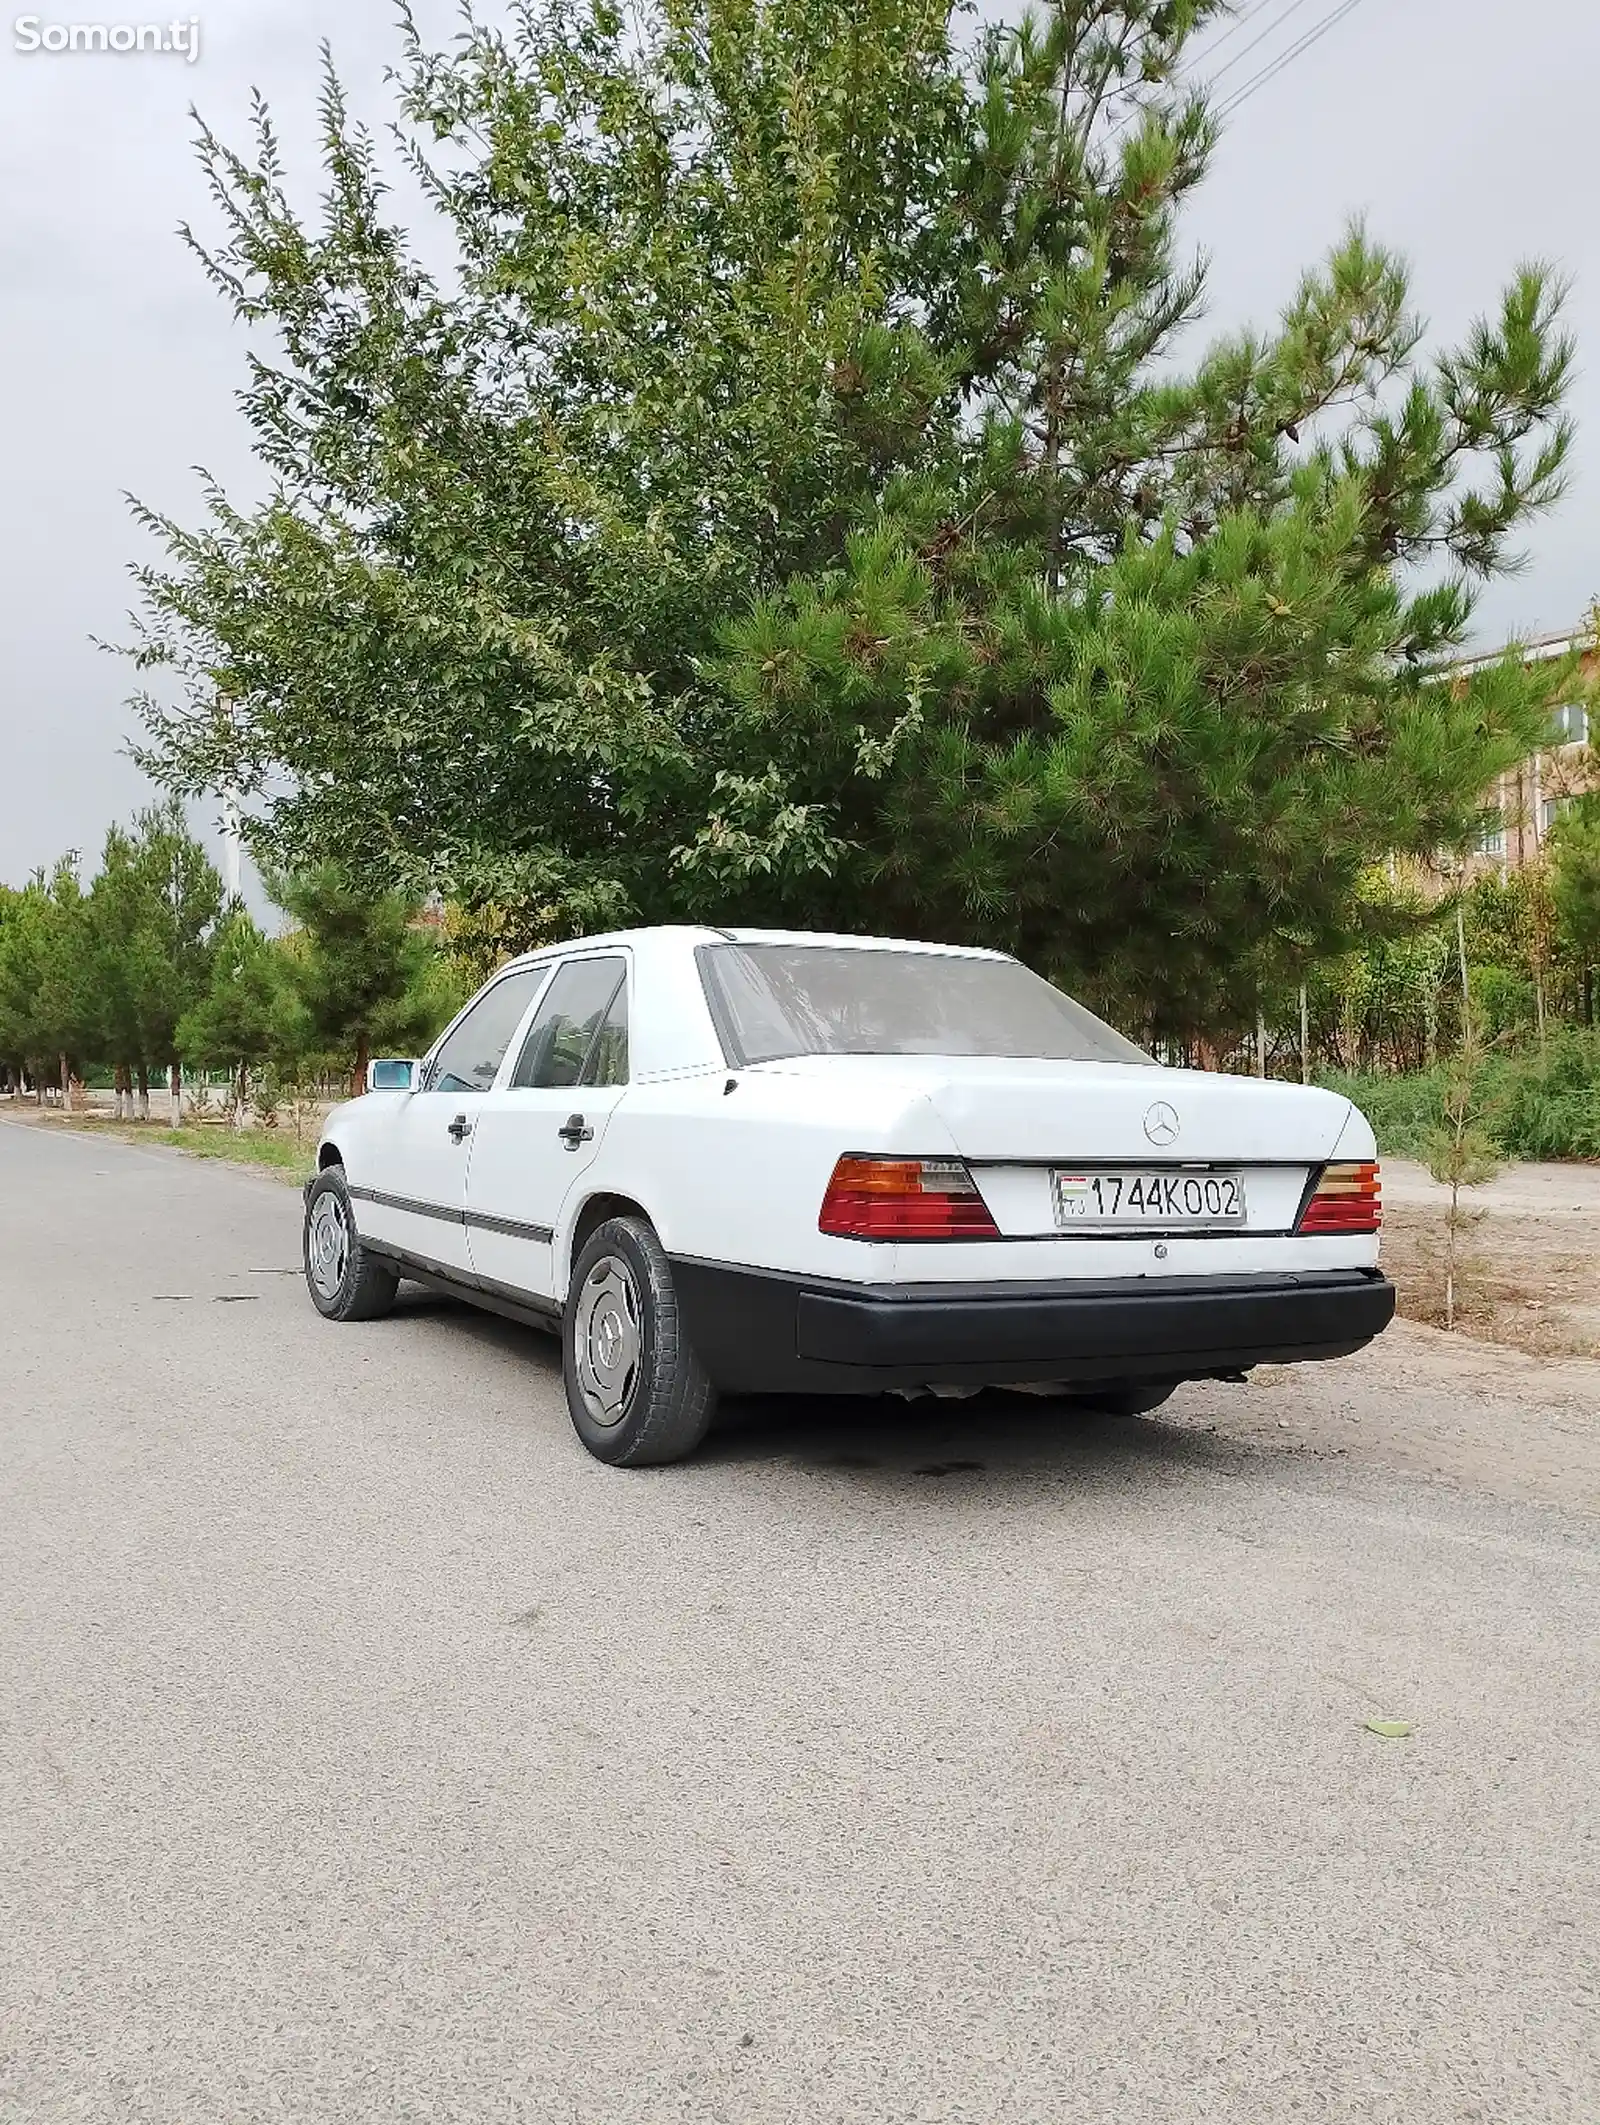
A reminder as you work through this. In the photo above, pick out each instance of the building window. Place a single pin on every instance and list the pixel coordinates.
(1571, 722)
(1550, 811)
(1492, 840)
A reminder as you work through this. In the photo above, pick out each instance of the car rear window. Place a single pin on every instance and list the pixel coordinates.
(776, 1000)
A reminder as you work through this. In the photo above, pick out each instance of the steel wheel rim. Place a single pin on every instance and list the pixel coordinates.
(328, 1245)
(608, 1340)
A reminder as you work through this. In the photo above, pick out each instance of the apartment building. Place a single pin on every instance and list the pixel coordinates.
(1529, 802)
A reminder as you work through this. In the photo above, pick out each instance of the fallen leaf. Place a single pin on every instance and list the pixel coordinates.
(1390, 1729)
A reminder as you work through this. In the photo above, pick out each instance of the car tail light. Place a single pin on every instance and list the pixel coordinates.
(905, 1199)
(1346, 1199)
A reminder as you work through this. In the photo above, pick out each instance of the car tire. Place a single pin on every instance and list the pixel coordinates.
(346, 1283)
(637, 1393)
(1130, 1398)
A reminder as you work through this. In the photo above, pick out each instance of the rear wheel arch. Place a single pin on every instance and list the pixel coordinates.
(593, 1212)
(328, 1155)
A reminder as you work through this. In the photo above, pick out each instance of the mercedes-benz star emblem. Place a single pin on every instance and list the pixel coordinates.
(1161, 1124)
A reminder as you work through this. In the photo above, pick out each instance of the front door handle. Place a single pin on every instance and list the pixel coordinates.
(573, 1132)
(460, 1129)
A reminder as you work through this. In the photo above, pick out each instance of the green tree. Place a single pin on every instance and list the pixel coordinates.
(49, 1021)
(363, 974)
(801, 508)
(242, 1021)
(153, 909)
(23, 917)
(1575, 884)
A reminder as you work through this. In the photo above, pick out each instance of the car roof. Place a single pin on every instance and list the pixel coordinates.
(690, 934)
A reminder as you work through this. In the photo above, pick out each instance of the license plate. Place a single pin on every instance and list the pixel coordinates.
(1135, 1199)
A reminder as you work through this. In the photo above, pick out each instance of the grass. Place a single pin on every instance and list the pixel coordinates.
(275, 1149)
(1534, 1106)
(244, 1147)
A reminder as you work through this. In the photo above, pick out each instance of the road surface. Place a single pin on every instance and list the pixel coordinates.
(372, 1754)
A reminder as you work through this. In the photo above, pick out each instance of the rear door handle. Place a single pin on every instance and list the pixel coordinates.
(460, 1128)
(573, 1132)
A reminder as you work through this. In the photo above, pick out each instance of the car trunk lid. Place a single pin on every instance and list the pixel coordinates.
(1004, 1111)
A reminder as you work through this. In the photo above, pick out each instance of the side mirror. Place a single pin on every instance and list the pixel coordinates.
(391, 1076)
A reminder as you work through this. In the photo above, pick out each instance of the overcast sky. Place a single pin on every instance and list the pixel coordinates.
(1461, 128)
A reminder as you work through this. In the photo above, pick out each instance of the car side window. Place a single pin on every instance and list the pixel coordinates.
(608, 1059)
(574, 1022)
(472, 1054)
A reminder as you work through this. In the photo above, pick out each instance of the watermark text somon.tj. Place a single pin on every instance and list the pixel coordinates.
(179, 38)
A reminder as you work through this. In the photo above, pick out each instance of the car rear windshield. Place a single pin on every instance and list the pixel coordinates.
(776, 1000)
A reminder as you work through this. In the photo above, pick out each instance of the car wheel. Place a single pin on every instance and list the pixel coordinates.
(345, 1282)
(1132, 1398)
(637, 1393)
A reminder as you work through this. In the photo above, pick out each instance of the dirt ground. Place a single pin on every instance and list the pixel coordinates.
(1528, 1275)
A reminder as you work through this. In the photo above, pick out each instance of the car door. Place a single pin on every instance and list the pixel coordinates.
(539, 1129)
(413, 1194)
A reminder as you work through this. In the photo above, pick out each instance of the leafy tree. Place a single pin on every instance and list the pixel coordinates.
(801, 508)
(362, 973)
(241, 1021)
(23, 918)
(153, 908)
(48, 1016)
(1575, 879)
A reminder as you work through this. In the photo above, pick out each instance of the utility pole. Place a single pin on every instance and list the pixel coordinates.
(232, 849)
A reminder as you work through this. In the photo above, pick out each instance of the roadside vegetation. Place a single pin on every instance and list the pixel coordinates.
(798, 488)
(144, 979)
(1536, 1106)
(805, 494)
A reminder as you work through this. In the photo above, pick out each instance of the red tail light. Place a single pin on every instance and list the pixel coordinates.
(905, 1199)
(1347, 1199)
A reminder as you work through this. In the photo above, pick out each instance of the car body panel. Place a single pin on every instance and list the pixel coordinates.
(731, 1164)
(522, 1174)
(999, 1109)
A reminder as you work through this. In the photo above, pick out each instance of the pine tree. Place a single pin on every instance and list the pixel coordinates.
(358, 967)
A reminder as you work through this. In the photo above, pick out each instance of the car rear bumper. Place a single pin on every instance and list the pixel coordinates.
(759, 1332)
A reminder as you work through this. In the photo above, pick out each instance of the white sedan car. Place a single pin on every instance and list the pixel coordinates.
(752, 1161)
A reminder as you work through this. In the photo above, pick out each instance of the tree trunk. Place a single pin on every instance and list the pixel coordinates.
(241, 1093)
(1261, 1045)
(363, 1056)
(116, 1090)
(66, 1085)
(144, 1092)
(175, 1097)
(1466, 988)
(1305, 1036)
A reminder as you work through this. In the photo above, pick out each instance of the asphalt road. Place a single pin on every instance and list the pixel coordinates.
(370, 1753)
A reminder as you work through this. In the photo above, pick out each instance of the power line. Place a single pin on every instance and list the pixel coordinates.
(1210, 51)
(1319, 30)
(1244, 15)
(1260, 37)
(1259, 80)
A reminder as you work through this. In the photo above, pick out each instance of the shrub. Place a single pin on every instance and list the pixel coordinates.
(1543, 1106)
